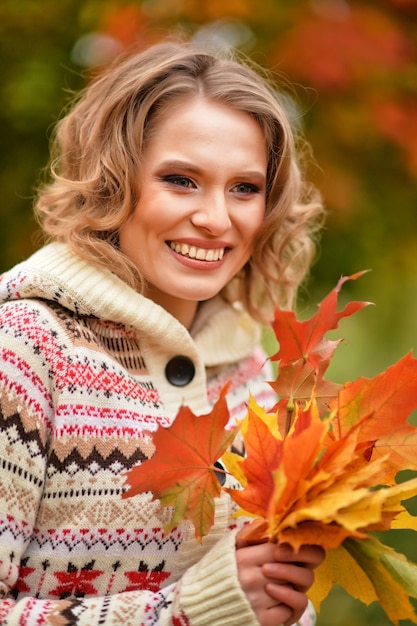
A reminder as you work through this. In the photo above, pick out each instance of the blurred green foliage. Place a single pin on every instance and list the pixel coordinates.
(354, 67)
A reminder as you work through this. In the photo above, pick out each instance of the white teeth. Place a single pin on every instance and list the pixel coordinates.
(214, 254)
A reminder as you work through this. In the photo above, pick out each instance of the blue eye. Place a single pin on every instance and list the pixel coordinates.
(246, 188)
(179, 181)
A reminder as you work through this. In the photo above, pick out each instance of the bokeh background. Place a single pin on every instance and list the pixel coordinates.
(353, 69)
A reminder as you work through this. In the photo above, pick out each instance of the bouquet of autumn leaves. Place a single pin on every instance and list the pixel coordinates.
(320, 466)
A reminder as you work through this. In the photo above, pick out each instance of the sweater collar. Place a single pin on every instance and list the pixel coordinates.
(221, 333)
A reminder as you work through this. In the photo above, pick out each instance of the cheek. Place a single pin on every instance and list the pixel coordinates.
(123, 238)
(250, 223)
(129, 234)
(252, 230)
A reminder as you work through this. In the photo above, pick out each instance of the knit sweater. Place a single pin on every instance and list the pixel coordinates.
(82, 376)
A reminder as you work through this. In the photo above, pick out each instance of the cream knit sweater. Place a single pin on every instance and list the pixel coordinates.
(83, 375)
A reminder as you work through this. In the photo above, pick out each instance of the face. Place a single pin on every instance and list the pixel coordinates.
(202, 198)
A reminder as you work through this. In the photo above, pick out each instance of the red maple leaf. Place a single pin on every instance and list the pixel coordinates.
(181, 472)
(326, 479)
(304, 353)
(389, 398)
(263, 455)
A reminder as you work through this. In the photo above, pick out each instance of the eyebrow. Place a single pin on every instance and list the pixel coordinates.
(186, 165)
(178, 164)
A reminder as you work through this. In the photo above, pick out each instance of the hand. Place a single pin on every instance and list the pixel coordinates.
(275, 580)
(296, 571)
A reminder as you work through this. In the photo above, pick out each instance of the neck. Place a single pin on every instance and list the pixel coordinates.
(183, 310)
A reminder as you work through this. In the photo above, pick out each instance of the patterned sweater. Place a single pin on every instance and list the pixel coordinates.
(83, 374)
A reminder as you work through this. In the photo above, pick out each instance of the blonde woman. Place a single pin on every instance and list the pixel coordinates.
(178, 219)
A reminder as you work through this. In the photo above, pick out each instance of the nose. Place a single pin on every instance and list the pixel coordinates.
(212, 214)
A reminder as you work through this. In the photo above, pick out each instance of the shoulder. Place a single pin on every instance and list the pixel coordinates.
(29, 316)
(246, 377)
(35, 333)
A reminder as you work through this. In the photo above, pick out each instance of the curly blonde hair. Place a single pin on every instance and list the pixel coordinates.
(96, 157)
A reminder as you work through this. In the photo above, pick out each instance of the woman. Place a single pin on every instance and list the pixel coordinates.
(178, 220)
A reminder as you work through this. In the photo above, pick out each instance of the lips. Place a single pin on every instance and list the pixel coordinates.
(194, 252)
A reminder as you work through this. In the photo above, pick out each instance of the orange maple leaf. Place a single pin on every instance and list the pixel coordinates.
(326, 479)
(312, 488)
(304, 353)
(181, 473)
(389, 398)
(263, 456)
(304, 340)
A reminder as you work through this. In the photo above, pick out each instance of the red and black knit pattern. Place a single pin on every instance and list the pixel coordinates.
(76, 396)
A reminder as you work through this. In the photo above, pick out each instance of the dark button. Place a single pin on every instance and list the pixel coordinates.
(221, 476)
(180, 371)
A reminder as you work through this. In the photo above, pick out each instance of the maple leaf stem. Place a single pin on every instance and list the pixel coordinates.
(219, 470)
(288, 420)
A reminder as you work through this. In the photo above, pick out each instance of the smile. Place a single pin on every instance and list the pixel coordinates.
(201, 254)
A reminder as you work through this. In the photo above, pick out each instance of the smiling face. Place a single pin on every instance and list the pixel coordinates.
(202, 198)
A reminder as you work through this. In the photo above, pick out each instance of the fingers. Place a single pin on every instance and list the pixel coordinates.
(295, 576)
(307, 556)
(294, 568)
(292, 603)
(241, 541)
(258, 553)
(283, 605)
(277, 615)
(268, 611)
(275, 579)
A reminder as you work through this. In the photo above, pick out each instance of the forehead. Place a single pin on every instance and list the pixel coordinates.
(204, 118)
(207, 132)
(183, 104)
